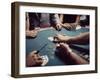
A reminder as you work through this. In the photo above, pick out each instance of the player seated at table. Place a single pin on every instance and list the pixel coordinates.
(69, 21)
(84, 21)
(33, 59)
(82, 38)
(35, 21)
(66, 54)
(30, 32)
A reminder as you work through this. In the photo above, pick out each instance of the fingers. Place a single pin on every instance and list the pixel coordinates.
(68, 26)
(38, 60)
(73, 25)
(59, 38)
(56, 37)
(32, 33)
(34, 59)
(58, 27)
(64, 47)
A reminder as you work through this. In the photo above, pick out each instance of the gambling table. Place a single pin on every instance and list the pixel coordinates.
(49, 49)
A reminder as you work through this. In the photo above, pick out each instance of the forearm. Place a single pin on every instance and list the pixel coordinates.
(80, 39)
(77, 19)
(61, 18)
(77, 59)
(56, 17)
(27, 22)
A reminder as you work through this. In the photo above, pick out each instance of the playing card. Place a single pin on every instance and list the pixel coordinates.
(45, 60)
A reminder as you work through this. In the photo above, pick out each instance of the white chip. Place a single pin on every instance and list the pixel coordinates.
(50, 38)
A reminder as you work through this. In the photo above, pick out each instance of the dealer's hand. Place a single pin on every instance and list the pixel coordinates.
(58, 26)
(61, 38)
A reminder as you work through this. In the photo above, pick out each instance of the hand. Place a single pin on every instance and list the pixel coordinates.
(66, 54)
(67, 26)
(31, 33)
(63, 51)
(70, 26)
(61, 38)
(74, 25)
(58, 26)
(33, 59)
(64, 48)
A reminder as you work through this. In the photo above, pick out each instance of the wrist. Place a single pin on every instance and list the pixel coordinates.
(69, 40)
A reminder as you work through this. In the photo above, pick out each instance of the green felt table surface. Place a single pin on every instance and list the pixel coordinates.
(49, 50)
